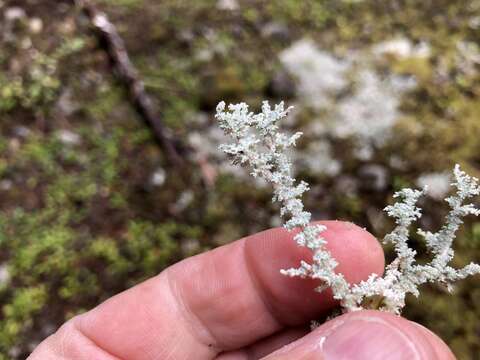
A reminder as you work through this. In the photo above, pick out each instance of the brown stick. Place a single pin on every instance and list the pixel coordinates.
(115, 47)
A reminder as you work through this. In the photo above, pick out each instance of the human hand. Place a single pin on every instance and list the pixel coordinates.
(232, 303)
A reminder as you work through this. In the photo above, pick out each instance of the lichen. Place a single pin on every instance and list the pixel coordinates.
(259, 144)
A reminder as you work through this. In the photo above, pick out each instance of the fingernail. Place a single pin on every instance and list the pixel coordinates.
(367, 339)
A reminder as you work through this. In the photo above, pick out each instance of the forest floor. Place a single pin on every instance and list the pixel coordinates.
(386, 92)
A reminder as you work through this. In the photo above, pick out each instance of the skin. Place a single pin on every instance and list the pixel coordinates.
(232, 303)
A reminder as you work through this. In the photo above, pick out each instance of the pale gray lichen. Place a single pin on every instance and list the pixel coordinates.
(438, 184)
(259, 144)
(318, 73)
(371, 111)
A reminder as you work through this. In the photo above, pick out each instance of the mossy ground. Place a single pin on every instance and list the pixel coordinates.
(81, 218)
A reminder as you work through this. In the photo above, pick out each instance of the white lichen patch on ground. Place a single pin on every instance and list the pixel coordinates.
(403, 48)
(437, 183)
(369, 110)
(319, 74)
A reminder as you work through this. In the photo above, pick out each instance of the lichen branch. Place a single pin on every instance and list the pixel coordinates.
(259, 144)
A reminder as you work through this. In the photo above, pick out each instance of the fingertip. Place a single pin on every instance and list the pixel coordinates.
(376, 334)
(367, 335)
(438, 345)
(358, 252)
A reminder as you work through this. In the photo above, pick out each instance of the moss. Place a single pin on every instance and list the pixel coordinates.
(37, 83)
(420, 68)
(348, 206)
(51, 263)
(308, 13)
(19, 312)
(124, 3)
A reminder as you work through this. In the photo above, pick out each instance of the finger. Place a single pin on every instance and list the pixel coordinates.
(266, 346)
(291, 300)
(224, 299)
(69, 343)
(367, 335)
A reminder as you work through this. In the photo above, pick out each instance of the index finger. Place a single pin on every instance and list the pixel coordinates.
(220, 300)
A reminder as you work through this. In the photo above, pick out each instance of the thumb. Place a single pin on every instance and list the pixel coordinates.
(366, 335)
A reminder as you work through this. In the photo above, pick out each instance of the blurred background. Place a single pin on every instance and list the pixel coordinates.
(386, 92)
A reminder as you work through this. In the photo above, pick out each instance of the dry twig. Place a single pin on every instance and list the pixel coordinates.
(114, 45)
